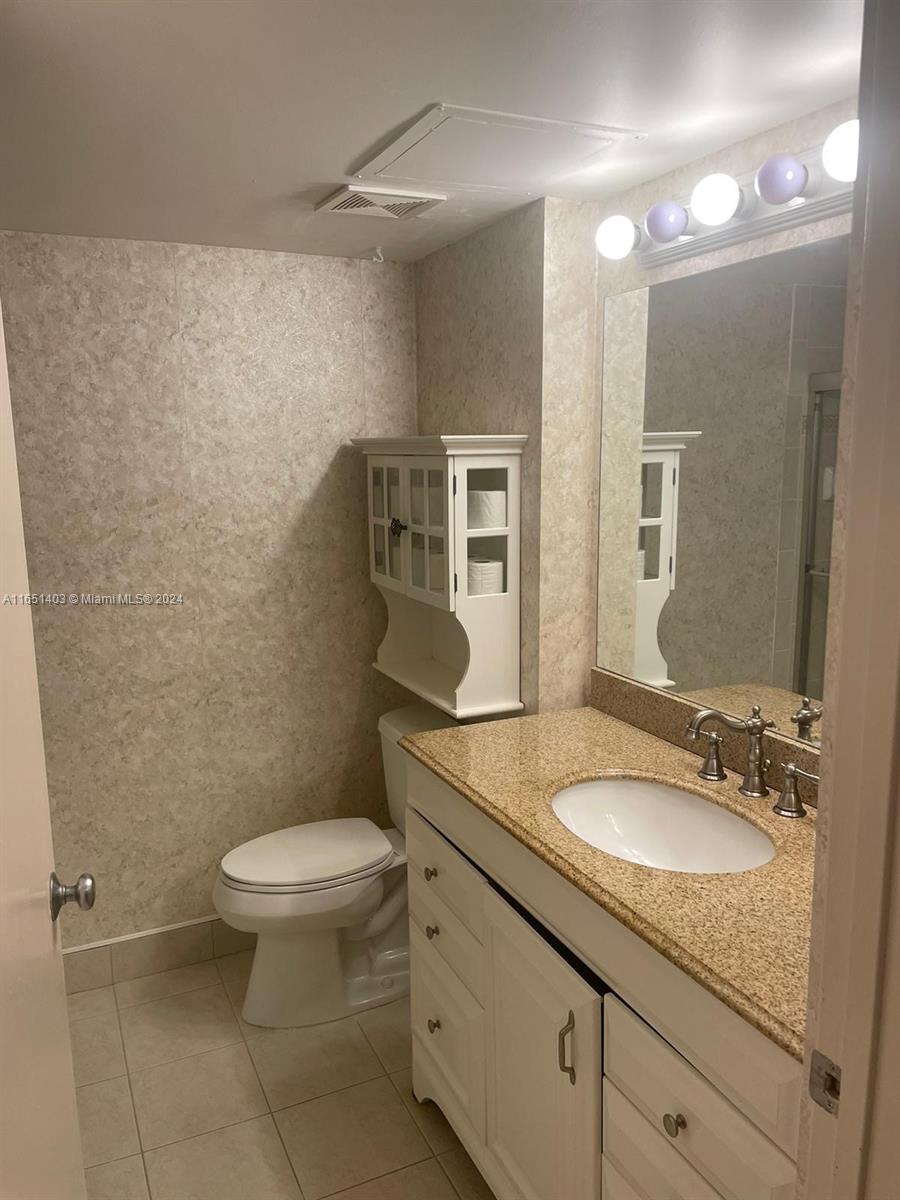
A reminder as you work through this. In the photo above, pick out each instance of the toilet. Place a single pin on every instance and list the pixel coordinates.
(327, 901)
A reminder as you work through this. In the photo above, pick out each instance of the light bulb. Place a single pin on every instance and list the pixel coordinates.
(781, 179)
(665, 221)
(716, 199)
(616, 237)
(840, 152)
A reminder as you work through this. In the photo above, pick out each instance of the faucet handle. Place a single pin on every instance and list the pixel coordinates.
(804, 718)
(712, 766)
(757, 723)
(789, 803)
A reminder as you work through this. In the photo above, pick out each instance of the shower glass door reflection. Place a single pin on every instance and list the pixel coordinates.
(818, 508)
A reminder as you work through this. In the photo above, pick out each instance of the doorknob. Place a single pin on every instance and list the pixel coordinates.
(83, 892)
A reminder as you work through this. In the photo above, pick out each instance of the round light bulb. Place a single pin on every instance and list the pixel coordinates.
(840, 152)
(616, 237)
(716, 199)
(781, 179)
(665, 221)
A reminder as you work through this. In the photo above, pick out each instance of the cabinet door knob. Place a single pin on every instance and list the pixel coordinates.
(673, 1125)
(561, 1047)
(430, 873)
(433, 1026)
(397, 527)
(431, 931)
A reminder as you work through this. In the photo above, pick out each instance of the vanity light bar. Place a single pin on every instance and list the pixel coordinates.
(786, 190)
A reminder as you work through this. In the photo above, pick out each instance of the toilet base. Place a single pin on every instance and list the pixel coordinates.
(318, 976)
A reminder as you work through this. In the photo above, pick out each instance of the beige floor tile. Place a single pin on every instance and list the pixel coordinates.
(230, 941)
(429, 1118)
(122, 1180)
(424, 1181)
(157, 952)
(97, 1049)
(87, 969)
(243, 1162)
(388, 1030)
(350, 1137)
(465, 1176)
(95, 1003)
(166, 983)
(165, 1030)
(236, 966)
(196, 1095)
(235, 985)
(299, 1064)
(106, 1120)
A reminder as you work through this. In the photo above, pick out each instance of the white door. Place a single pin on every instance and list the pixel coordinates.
(40, 1152)
(428, 483)
(543, 1064)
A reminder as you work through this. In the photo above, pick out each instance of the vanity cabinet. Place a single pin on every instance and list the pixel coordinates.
(444, 545)
(562, 1087)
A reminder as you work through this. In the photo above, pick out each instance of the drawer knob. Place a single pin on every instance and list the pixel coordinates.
(431, 931)
(673, 1125)
(433, 1026)
(430, 873)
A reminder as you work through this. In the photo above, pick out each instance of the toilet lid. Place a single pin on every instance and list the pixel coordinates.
(319, 852)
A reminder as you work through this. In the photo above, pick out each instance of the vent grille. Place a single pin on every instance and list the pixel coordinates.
(357, 200)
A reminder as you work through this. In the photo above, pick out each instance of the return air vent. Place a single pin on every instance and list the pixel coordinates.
(359, 200)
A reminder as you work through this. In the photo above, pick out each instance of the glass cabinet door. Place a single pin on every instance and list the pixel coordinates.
(387, 513)
(429, 487)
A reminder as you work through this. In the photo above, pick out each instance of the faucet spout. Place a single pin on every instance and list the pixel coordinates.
(755, 726)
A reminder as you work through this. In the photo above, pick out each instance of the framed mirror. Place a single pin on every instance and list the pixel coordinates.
(721, 406)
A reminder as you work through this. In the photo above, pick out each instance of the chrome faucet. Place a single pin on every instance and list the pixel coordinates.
(789, 803)
(754, 726)
(804, 718)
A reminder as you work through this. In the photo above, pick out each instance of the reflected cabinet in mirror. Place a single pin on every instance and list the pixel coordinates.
(721, 405)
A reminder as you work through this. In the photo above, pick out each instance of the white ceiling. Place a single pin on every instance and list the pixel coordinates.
(225, 121)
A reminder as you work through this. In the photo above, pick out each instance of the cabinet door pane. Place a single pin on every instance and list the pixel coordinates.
(651, 489)
(418, 560)
(393, 488)
(436, 499)
(648, 552)
(437, 564)
(377, 491)
(395, 556)
(417, 496)
(378, 531)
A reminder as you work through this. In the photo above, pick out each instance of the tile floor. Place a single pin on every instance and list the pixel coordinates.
(179, 1099)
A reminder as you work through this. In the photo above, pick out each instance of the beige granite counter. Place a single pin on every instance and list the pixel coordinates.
(744, 937)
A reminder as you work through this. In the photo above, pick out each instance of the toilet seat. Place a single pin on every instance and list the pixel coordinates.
(312, 857)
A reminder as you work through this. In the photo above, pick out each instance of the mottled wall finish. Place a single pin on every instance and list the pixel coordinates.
(623, 382)
(717, 360)
(570, 439)
(479, 312)
(182, 416)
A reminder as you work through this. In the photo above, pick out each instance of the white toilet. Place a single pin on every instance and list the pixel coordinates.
(328, 903)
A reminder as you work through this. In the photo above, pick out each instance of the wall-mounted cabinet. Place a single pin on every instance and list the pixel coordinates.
(444, 539)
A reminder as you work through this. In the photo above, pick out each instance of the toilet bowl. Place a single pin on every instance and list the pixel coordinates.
(327, 901)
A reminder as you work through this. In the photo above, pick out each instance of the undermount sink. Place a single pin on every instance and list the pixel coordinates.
(661, 826)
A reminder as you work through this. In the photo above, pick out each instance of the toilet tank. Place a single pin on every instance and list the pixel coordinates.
(415, 718)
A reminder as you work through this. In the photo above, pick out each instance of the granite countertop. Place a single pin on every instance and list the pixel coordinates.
(744, 937)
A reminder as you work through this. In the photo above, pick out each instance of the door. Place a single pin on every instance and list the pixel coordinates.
(428, 483)
(543, 1064)
(40, 1152)
(387, 522)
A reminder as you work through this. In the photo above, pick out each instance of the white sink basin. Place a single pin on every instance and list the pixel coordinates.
(661, 826)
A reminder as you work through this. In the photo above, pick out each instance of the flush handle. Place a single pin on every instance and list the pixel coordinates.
(83, 892)
(674, 1125)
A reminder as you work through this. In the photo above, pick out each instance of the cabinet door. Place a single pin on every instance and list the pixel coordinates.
(387, 504)
(543, 1064)
(429, 486)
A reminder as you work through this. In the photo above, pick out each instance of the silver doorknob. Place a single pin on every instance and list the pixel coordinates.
(83, 892)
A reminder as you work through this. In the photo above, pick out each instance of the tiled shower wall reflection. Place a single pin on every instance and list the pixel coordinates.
(182, 416)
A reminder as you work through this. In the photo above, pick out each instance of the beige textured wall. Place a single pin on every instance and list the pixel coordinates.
(479, 313)
(181, 416)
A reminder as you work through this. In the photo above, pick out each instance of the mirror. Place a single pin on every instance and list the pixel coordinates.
(721, 405)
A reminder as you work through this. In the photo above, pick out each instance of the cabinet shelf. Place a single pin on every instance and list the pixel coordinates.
(431, 567)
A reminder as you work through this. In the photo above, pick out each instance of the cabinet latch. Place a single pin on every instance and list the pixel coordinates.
(825, 1082)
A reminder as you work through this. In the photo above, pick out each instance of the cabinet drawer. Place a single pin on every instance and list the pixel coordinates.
(445, 871)
(730, 1152)
(646, 1157)
(459, 948)
(615, 1187)
(449, 1023)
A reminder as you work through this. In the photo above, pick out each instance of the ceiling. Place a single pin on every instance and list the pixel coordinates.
(225, 121)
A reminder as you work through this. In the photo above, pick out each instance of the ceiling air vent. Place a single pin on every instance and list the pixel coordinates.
(358, 200)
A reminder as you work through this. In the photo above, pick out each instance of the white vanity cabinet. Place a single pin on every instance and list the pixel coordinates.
(652, 1090)
(444, 544)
